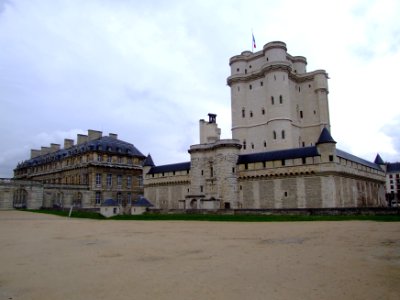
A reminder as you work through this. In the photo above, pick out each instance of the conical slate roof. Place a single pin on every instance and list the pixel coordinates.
(148, 162)
(325, 137)
(378, 160)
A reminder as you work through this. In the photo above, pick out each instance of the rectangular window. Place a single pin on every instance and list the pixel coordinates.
(201, 189)
(140, 178)
(119, 180)
(109, 158)
(98, 198)
(99, 157)
(129, 181)
(129, 198)
(109, 180)
(98, 179)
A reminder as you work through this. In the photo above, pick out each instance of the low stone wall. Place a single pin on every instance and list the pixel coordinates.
(348, 211)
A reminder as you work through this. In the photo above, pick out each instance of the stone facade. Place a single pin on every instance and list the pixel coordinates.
(276, 104)
(281, 155)
(84, 174)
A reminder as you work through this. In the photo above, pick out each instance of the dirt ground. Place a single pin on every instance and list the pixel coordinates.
(50, 257)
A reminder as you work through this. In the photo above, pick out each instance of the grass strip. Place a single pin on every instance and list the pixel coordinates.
(224, 218)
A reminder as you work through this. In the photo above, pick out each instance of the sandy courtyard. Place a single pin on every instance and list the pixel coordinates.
(49, 257)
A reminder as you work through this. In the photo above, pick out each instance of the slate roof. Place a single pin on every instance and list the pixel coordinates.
(142, 202)
(378, 160)
(148, 162)
(278, 155)
(104, 144)
(357, 159)
(393, 167)
(110, 202)
(325, 137)
(170, 168)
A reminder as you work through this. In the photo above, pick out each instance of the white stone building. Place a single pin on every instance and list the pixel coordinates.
(282, 154)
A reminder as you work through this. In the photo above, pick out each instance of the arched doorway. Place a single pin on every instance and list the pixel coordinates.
(193, 204)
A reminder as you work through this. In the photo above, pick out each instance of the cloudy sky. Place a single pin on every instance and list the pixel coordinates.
(150, 70)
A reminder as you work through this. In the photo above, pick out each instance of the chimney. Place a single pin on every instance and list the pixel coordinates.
(54, 147)
(94, 134)
(113, 136)
(81, 138)
(35, 153)
(68, 143)
(45, 150)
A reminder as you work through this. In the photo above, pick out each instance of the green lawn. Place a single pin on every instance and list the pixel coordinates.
(224, 218)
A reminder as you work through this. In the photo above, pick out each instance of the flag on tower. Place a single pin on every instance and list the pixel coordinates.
(254, 41)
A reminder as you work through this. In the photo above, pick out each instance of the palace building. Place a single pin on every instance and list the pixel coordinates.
(84, 174)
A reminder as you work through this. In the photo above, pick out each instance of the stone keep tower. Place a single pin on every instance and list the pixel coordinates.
(276, 104)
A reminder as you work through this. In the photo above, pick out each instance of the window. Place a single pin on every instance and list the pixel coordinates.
(109, 158)
(263, 111)
(261, 83)
(129, 198)
(274, 133)
(244, 145)
(129, 181)
(237, 70)
(301, 114)
(251, 114)
(252, 146)
(119, 198)
(212, 171)
(243, 112)
(109, 180)
(283, 134)
(283, 162)
(245, 71)
(99, 157)
(140, 178)
(233, 170)
(119, 159)
(250, 87)
(119, 180)
(246, 166)
(265, 144)
(264, 164)
(303, 160)
(98, 179)
(280, 99)
(201, 189)
(98, 197)
(272, 100)
(330, 157)
(202, 172)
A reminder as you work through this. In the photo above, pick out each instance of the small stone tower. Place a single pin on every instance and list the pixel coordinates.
(213, 169)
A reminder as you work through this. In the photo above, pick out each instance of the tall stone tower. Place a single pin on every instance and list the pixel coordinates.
(276, 104)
